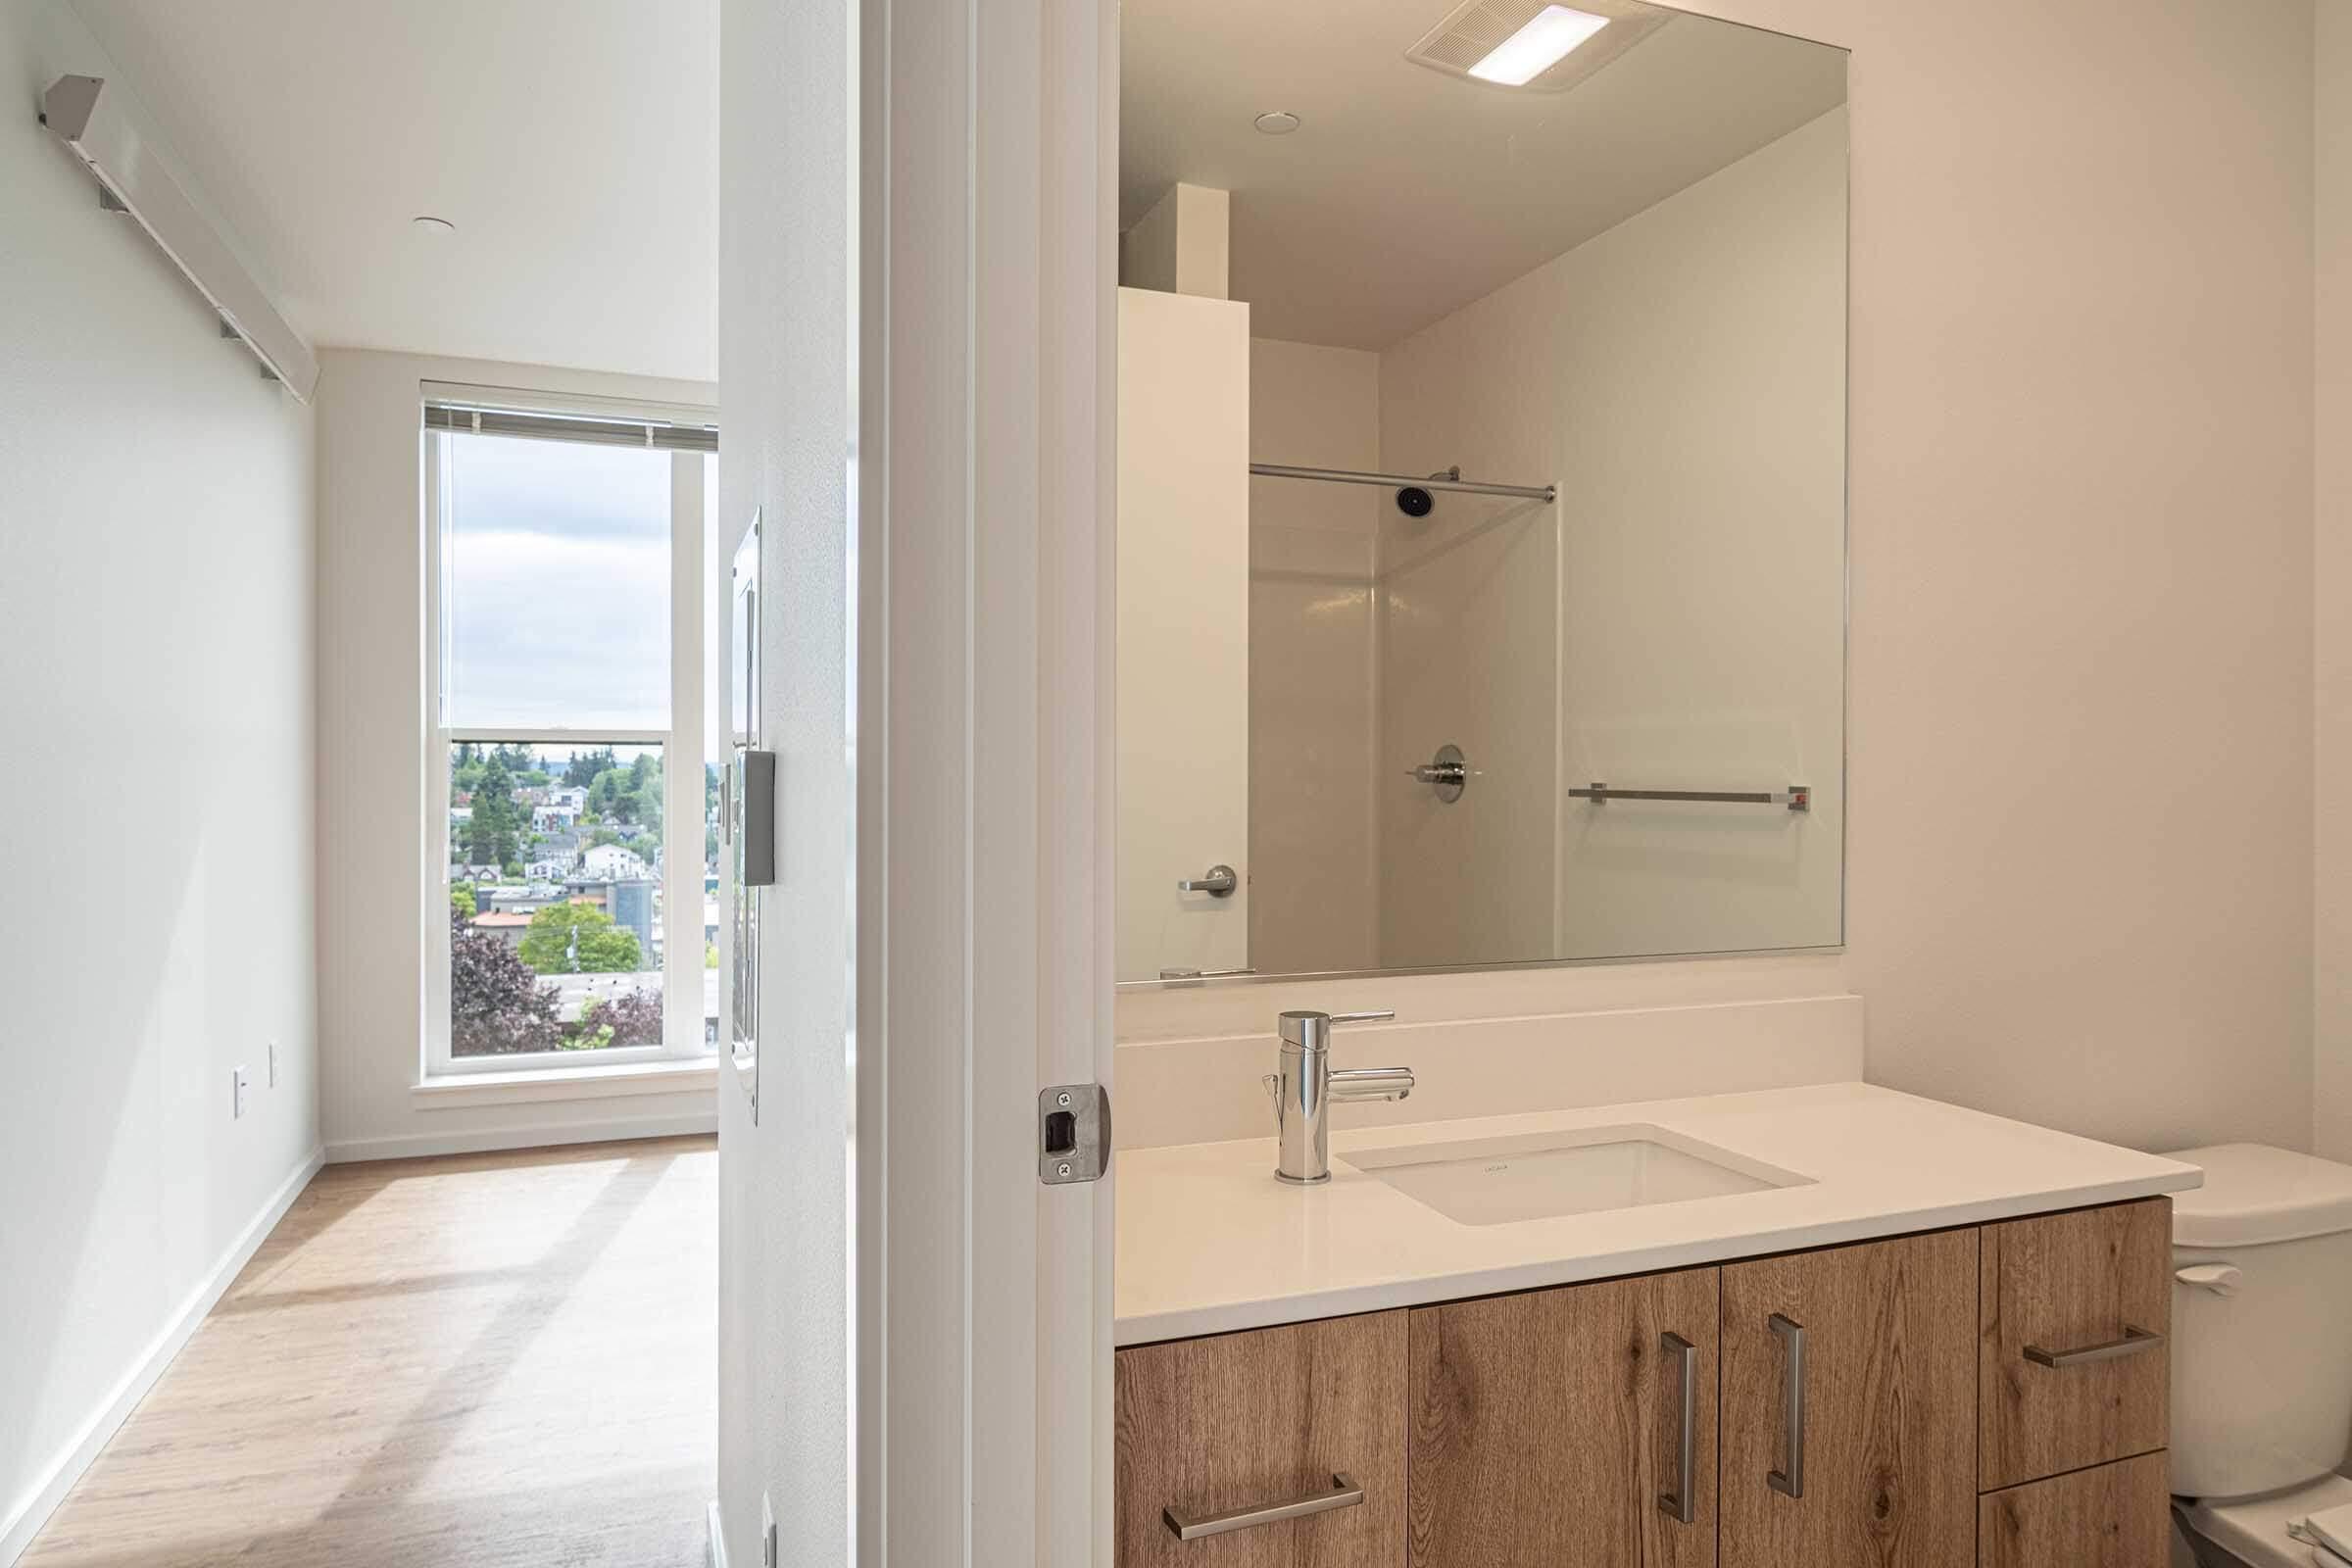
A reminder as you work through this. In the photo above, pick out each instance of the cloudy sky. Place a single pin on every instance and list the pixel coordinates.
(558, 563)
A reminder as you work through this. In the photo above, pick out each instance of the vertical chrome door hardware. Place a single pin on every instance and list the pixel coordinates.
(1681, 1504)
(1791, 1481)
(1448, 773)
(1073, 1133)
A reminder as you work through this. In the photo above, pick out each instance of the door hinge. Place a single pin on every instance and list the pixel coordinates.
(1073, 1133)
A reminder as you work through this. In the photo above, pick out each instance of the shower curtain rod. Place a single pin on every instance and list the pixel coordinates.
(1453, 481)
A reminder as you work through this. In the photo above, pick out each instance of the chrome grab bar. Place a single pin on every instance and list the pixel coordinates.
(1791, 1481)
(1681, 1504)
(2132, 1343)
(1796, 797)
(1344, 1493)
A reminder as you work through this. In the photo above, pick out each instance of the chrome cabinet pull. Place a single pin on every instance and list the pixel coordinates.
(1681, 1504)
(1344, 1493)
(1791, 1481)
(2132, 1343)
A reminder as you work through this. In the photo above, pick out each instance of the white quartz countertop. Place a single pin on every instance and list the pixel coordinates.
(1209, 1241)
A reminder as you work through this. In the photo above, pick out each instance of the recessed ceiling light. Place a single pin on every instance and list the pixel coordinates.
(1548, 37)
(1277, 122)
(431, 224)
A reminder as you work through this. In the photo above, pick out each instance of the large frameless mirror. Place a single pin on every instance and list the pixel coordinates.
(1482, 486)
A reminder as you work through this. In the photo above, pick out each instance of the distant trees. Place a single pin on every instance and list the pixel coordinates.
(582, 769)
(493, 834)
(578, 939)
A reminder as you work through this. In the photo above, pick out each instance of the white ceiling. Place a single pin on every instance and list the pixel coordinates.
(574, 143)
(1407, 194)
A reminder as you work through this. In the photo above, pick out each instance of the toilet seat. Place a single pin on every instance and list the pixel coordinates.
(2253, 1530)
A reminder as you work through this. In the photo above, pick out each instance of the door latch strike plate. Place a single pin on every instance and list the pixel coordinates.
(1073, 1133)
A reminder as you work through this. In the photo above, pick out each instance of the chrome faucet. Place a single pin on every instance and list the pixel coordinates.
(1306, 1085)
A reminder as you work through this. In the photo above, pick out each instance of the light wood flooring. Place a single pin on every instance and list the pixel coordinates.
(471, 1363)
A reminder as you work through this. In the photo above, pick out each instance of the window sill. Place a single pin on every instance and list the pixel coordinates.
(525, 1085)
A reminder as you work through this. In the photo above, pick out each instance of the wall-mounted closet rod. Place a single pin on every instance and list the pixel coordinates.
(1392, 481)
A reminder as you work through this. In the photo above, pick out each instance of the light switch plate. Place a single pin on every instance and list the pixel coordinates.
(274, 1065)
(241, 1085)
(768, 1533)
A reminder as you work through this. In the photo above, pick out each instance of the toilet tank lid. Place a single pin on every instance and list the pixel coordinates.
(2254, 1193)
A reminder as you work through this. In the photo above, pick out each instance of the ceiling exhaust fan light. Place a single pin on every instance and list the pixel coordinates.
(1548, 37)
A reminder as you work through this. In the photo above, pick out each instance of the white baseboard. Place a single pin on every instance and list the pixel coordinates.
(542, 1135)
(24, 1519)
(718, 1539)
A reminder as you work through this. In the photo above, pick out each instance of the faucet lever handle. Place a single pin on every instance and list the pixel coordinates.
(1382, 1016)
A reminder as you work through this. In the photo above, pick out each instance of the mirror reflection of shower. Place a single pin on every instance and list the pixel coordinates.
(1481, 574)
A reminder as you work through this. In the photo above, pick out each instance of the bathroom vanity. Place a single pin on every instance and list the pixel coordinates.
(1900, 1332)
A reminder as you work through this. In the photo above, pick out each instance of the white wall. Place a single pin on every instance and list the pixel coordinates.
(155, 631)
(2331, 578)
(371, 774)
(2080, 478)
(1314, 884)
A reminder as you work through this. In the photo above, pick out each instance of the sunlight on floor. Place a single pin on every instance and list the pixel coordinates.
(487, 1360)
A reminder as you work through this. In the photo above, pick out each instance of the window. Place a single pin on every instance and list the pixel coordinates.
(569, 809)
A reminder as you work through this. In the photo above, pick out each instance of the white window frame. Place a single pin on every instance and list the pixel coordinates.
(682, 746)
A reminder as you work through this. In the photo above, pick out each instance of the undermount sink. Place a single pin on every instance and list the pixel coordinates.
(1494, 1181)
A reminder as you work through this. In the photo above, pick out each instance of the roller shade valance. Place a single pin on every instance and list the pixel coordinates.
(602, 430)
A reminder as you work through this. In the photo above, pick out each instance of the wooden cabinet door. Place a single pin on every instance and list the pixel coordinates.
(1255, 1420)
(1883, 1337)
(2072, 1319)
(1546, 1426)
(2116, 1516)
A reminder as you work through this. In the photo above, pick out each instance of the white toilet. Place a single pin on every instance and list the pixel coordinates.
(2262, 1351)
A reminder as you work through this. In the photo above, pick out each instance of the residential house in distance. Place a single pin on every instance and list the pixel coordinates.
(508, 925)
(613, 862)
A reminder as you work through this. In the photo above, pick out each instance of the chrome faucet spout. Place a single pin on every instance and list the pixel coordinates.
(1306, 1085)
(1369, 1082)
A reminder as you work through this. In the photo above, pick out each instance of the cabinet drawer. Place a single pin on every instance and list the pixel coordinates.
(2072, 1311)
(1258, 1420)
(2116, 1516)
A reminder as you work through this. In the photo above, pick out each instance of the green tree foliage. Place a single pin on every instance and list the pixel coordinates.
(630, 796)
(460, 899)
(582, 769)
(492, 836)
(559, 930)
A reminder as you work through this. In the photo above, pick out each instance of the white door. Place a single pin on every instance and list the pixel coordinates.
(1183, 634)
(917, 294)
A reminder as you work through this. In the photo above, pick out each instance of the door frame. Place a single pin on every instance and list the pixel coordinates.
(984, 483)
